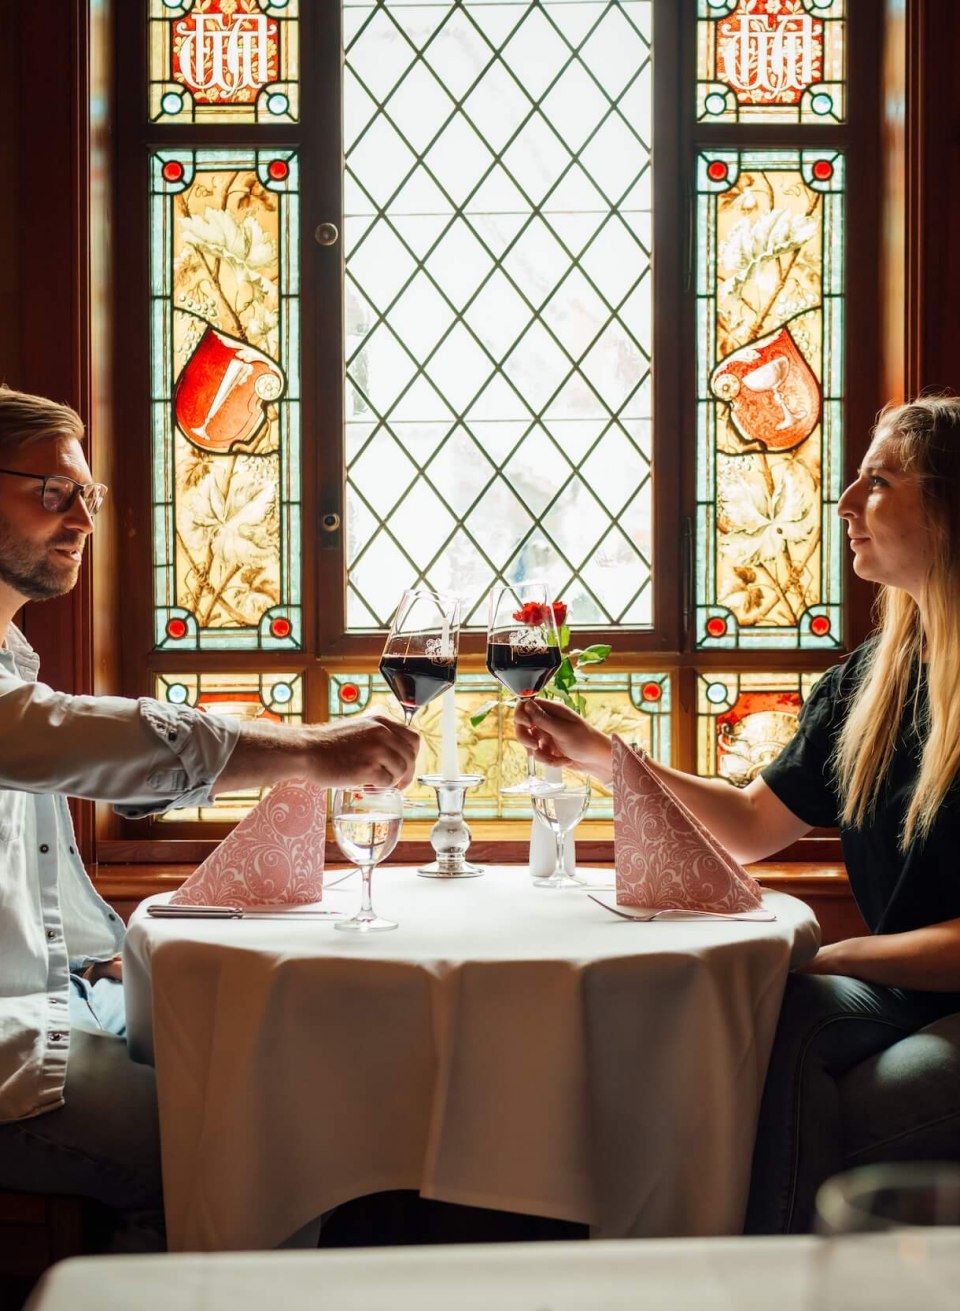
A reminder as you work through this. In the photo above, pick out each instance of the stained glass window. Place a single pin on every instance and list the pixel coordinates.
(226, 399)
(745, 720)
(276, 696)
(637, 706)
(770, 385)
(498, 286)
(224, 61)
(770, 61)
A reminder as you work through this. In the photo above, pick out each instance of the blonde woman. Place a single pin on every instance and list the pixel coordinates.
(877, 753)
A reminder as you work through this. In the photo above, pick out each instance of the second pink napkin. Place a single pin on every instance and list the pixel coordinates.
(273, 857)
(665, 858)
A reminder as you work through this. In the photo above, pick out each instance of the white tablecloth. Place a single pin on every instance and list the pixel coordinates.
(721, 1274)
(507, 1046)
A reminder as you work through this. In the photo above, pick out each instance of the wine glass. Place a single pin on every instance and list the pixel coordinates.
(419, 658)
(523, 649)
(366, 824)
(561, 805)
(882, 1246)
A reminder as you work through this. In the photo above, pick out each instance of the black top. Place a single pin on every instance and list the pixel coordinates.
(895, 891)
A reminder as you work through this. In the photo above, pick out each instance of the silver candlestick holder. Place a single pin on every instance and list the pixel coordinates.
(450, 836)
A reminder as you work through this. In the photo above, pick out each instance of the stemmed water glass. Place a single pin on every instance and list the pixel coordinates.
(523, 649)
(561, 805)
(881, 1242)
(419, 658)
(366, 824)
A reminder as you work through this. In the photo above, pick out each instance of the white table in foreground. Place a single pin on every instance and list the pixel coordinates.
(508, 1047)
(720, 1274)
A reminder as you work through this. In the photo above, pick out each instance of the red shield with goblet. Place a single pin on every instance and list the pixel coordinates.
(221, 395)
(772, 393)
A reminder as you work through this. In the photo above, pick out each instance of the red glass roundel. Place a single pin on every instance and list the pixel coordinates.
(350, 693)
(280, 627)
(176, 628)
(173, 171)
(716, 627)
(820, 625)
(822, 170)
(717, 170)
(651, 691)
(278, 169)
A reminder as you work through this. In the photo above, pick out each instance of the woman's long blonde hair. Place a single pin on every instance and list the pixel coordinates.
(928, 432)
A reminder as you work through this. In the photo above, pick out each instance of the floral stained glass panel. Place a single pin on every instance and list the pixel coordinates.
(497, 240)
(637, 706)
(770, 387)
(745, 720)
(224, 61)
(226, 408)
(275, 697)
(770, 61)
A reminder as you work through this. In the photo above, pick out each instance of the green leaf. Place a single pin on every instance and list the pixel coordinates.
(564, 636)
(565, 676)
(480, 714)
(595, 655)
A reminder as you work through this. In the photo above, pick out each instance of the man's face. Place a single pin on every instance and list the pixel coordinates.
(40, 552)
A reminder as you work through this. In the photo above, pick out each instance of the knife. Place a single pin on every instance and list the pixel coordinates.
(237, 913)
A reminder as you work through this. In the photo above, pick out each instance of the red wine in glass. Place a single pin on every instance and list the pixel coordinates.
(523, 649)
(522, 672)
(419, 658)
(416, 679)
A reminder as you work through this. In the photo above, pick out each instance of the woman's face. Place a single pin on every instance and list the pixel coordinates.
(887, 523)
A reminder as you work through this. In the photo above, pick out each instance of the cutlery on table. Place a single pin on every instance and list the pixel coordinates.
(237, 913)
(645, 915)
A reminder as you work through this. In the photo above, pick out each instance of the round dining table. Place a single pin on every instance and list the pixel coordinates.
(507, 1046)
(870, 1272)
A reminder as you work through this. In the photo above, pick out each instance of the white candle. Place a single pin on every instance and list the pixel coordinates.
(449, 764)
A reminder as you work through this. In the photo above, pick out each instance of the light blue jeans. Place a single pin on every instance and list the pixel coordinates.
(104, 1143)
(858, 1073)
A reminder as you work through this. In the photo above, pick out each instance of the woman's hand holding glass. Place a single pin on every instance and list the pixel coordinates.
(557, 735)
(523, 648)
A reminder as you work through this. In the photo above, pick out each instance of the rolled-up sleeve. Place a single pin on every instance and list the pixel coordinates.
(141, 755)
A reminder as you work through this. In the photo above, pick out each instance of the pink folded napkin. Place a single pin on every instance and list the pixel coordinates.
(665, 858)
(273, 857)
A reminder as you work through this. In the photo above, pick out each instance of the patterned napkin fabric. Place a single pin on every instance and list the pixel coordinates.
(273, 857)
(666, 859)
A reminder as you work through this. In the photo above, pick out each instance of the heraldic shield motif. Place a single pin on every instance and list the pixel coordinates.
(221, 395)
(772, 393)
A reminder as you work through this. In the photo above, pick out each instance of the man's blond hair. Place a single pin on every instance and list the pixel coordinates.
(25, 419)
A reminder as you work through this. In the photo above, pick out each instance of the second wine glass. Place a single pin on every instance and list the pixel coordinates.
(523, 649)
(419, 658)
(366, 825)
(561, 805)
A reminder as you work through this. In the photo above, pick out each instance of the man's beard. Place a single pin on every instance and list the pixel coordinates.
(29, 569)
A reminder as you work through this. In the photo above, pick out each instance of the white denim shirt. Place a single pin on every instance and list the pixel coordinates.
(144, 757)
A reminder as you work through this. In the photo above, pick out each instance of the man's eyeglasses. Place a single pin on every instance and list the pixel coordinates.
(59, 492)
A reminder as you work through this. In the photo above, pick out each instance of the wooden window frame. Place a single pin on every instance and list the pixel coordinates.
(59, 152)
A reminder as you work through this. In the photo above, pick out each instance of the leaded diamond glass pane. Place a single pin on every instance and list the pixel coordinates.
(506, 171)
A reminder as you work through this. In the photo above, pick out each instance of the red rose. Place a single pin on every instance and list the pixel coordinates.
(532, 613)
(559, 613)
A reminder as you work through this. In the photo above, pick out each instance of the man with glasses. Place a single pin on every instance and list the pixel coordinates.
(76, 1115)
